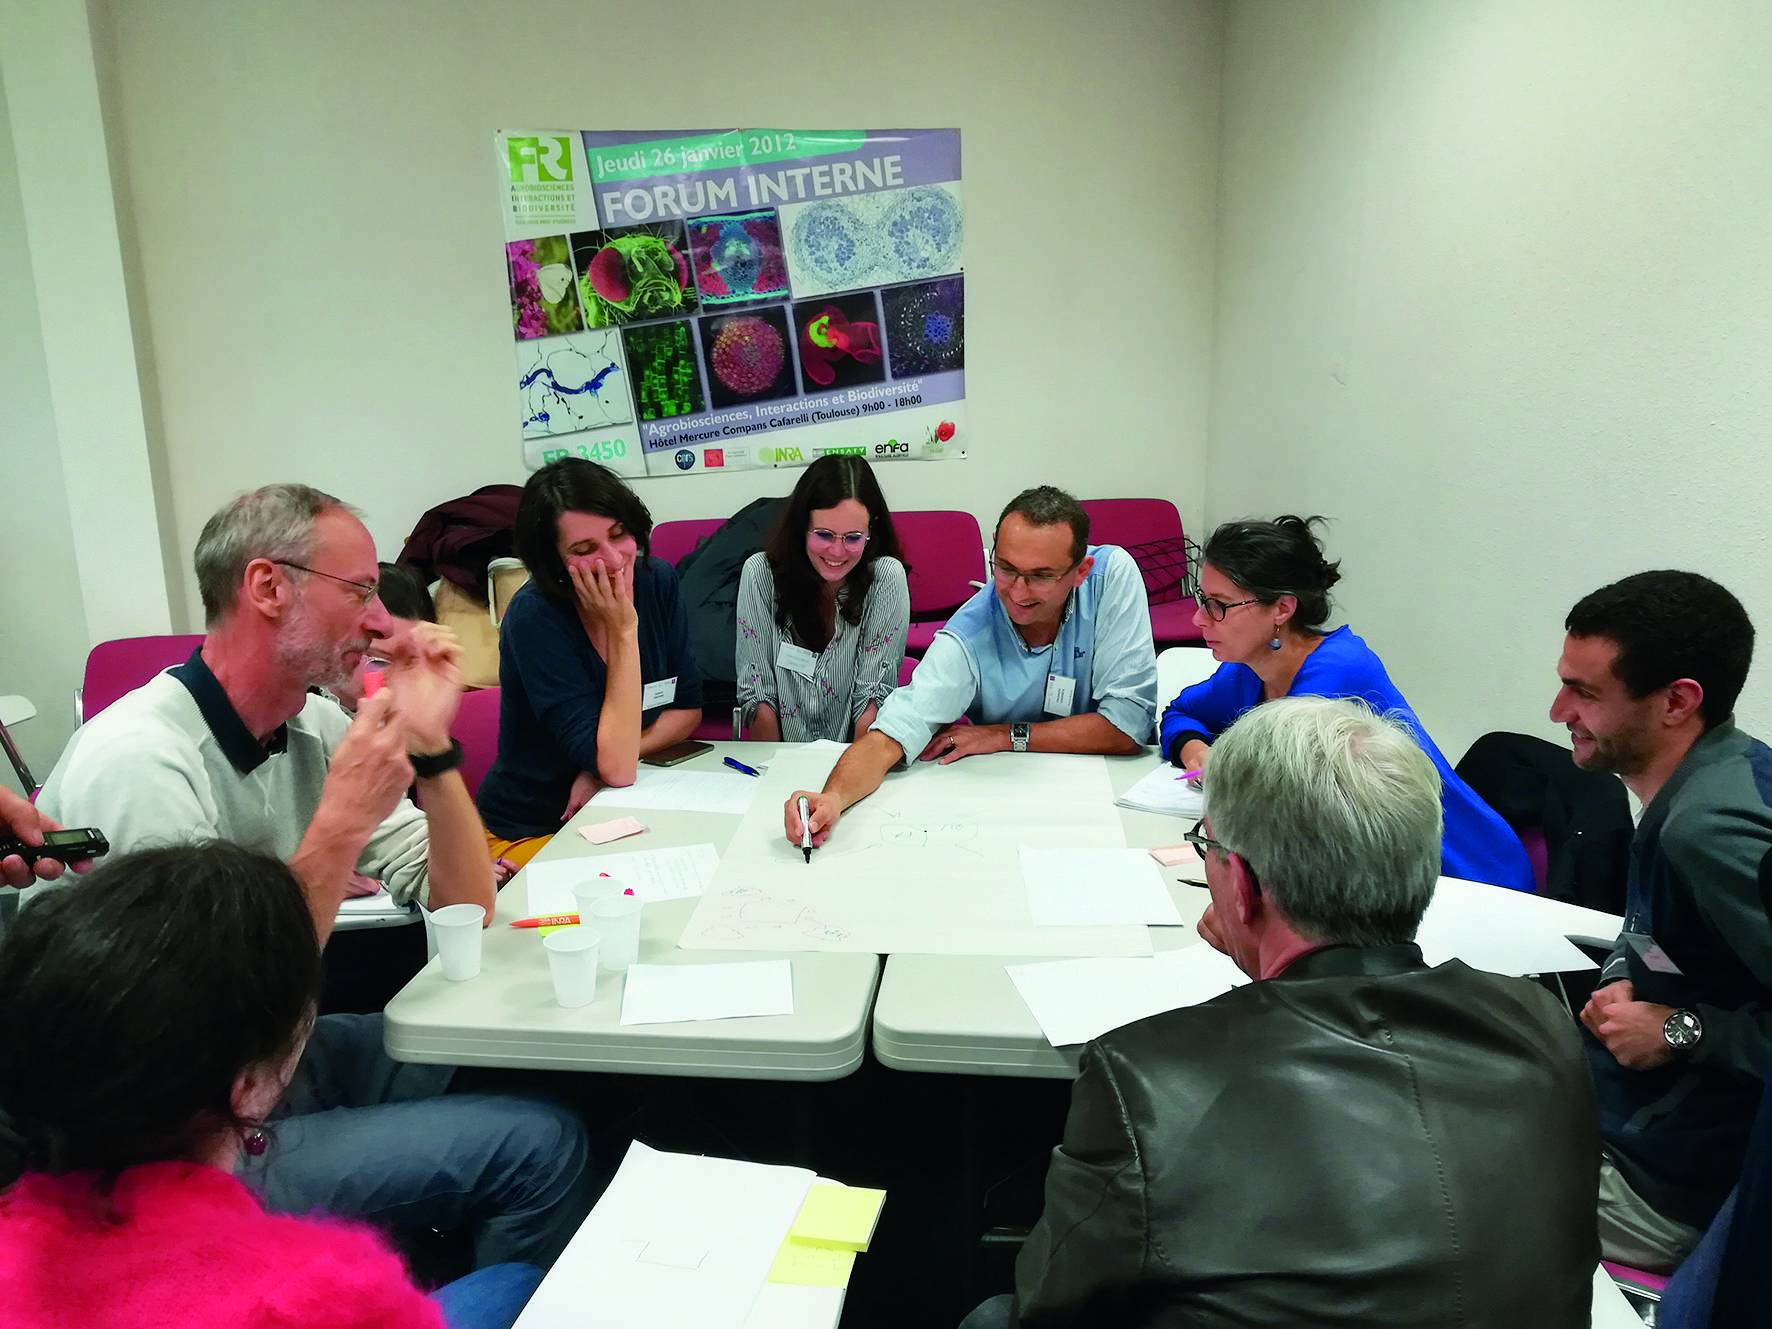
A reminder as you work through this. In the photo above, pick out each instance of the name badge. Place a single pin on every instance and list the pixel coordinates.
(661, 693)
(1061, 689)
(796, 660)
(1655, 960)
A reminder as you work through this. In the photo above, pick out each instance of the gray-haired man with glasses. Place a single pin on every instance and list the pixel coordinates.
(1055, 655)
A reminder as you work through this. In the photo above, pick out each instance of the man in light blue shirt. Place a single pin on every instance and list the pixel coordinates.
(1055, 656)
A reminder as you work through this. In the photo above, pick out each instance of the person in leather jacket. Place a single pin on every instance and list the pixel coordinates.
(1352, 1138)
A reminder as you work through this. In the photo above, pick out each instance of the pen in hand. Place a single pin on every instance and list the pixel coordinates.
(805, 829)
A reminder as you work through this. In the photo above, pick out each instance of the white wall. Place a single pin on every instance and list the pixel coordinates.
(42, 614)
(320, 246)
(1495, 291)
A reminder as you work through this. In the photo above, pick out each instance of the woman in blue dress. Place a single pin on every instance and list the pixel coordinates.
(1262, 590)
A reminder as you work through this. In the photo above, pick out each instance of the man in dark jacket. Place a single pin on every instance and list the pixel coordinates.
(1681, 1025)
(1352, 1139)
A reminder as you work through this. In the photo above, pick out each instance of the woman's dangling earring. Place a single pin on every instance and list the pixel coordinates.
(255, 1142)
(1274, 645)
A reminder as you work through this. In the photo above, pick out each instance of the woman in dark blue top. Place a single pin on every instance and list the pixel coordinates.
(1262, 588)
(594, 667)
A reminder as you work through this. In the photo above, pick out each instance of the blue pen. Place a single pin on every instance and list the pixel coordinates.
(740, 766)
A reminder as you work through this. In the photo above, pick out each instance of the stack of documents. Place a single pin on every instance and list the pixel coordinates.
(379, 905)
(678, 873)
(835, 1224)
(672, 993)
(1163, 790)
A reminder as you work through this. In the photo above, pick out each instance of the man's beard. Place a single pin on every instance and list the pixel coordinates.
(316, 661)
(1623, 753)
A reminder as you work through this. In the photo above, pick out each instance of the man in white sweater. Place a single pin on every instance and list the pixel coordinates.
(232, 745)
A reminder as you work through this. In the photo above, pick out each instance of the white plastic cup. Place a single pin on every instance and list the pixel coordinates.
(572, 961)
(457, 928)
(617, 918)
(587, 892)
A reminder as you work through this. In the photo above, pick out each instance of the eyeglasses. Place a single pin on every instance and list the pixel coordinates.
(1217, 609)
(368, 589)
(1202, 842)
(852, 541)
(1038, 581)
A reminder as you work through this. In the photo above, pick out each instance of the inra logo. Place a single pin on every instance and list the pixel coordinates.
(536, 161)
(767, 455)
(891, 448)
(685, 459)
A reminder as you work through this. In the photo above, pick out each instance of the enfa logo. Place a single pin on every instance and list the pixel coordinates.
(891, 448)
(713, 458)
(685, 459)
(539, 160)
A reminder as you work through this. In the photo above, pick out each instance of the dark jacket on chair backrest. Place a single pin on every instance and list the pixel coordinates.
(1361, 1141)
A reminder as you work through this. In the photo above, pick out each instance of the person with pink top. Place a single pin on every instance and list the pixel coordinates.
(154, 1016)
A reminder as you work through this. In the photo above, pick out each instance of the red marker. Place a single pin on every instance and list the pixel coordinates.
(547, 921)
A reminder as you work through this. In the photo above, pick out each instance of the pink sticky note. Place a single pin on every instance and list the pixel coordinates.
(605, 831)
(1176, 855)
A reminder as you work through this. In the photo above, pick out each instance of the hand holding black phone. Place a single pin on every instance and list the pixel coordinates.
(69, 846)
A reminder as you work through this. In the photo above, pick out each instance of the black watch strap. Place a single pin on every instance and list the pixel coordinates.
(436, 763)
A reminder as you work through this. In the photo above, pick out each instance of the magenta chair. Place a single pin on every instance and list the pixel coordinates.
(1150, 530)
(673, 539)
(944, 552)
(476, 729)
(123, 665)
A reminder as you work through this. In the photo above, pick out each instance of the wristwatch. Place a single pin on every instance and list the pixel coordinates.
(1682, 1030)
(428, 766)
(1018, 737)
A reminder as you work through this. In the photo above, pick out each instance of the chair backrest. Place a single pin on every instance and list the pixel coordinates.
(1181, 667)
(476, 729)
(1131, 521)
(944, 551)
(905, 666)
(673, 539)
(124, 664)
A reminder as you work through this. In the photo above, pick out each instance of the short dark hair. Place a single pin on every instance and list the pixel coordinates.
(1044, 505)
(1670, 625)
(404, 595)
(1269, 559)
(134, 998)
(824, 484)
(571, 484)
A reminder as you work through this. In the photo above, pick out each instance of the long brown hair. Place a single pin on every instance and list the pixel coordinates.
(798, 587)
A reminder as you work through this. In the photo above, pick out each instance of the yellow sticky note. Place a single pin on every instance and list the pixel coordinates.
(811, 1266)
(842, 1216)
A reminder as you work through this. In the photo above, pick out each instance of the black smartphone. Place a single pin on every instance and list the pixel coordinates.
(68, 846)
(677, 752)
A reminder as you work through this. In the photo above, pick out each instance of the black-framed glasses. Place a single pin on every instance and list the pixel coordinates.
(1038, 581)
(1202, 842)
(1216, 609)
(369, 589)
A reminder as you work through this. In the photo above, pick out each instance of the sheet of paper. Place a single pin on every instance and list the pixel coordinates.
(379, 903)
(671, 993)
(1161, 790)
(1095, 888)
(1611, 1310)
(739, 1213)
(796, 1306)
(1077, 1000)
(723, 791)
(1502, 931)
(839, 1215)
(926, 864)
(812, 1266)
(677, 873)
(603, 832)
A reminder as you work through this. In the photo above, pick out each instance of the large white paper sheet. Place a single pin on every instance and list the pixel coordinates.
(929, 863)
(677, 1242)
(1163, 790)
(724, 791)
(1501, 931)
(670, 993)
(1095, 887)
(676, 873)
(1077, 1000)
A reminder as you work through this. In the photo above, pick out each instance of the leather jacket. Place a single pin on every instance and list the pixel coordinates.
(1360, 1140)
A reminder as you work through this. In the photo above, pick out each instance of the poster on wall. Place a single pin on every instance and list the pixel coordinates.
(685, 301)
